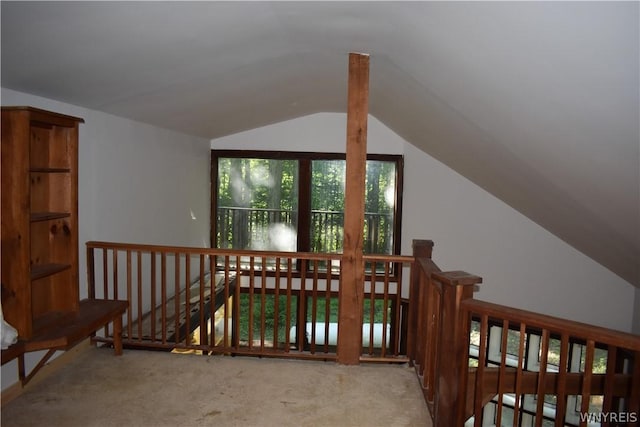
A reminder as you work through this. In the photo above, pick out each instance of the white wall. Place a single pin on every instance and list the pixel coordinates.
(137, 183)
(322, 132)
(521, 263)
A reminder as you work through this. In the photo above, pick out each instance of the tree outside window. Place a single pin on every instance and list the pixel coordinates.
(292, 202)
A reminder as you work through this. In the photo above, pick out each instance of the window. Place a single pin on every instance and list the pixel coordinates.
(292, 201)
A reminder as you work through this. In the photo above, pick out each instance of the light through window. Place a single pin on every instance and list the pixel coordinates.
(277, 201)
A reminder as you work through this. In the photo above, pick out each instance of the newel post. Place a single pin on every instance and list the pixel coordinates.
(421, 249)
(456, 287)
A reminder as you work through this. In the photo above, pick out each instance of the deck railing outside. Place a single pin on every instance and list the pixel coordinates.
(246, 302)
(238, 227)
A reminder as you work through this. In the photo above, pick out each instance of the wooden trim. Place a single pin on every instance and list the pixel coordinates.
(556, 325)
(48, 118)
(304, 205)
(296, 155)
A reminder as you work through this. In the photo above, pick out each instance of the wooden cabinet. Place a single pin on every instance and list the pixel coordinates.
(40, 286)
(39, 219)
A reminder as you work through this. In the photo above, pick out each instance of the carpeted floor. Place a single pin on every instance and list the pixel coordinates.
(161, 389)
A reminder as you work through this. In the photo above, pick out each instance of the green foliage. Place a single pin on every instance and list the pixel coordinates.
(254, 194)
(252, 314)
(269, 316)
(252, 183)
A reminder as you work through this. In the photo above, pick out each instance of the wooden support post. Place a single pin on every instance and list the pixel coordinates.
(352, 274)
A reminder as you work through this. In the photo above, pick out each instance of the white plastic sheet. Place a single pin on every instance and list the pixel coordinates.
(8, 334)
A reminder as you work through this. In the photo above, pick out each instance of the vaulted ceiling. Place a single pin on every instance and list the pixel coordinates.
(536, 102)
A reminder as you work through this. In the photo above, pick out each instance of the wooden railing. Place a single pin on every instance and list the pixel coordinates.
(277, 304)
(534, 367)
(484, 364)
(478, 363)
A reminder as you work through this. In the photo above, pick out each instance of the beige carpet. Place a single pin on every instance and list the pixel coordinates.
(161, 389)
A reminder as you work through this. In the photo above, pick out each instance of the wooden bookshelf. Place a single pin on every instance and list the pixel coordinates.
(40, 286)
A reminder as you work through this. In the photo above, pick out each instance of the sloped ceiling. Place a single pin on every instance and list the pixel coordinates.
(536, 102)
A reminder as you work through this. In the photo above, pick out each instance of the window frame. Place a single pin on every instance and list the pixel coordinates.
(305, 159)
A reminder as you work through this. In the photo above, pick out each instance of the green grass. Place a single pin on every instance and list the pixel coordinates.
(253, 315)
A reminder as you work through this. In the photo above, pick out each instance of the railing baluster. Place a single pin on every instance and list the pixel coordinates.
(302, 309)
(501, 373)
(212, 301)
(542, 371)
(153, 296)
(397, 332)
(129, 294)
(519, 370)
(563, 368)
(251, 290)
(105, 273)
(276, 304)
(204, 339)
(176, 290)
(236, 311)
(586, 383)
(263, 297)
(385, 310)
(140, 297)
(163, 294)
(372, 305)
(91, 273)
(327, 306)
(115, 275)
(187, 298)
(314, 306)
(482, 363)
(287, 344)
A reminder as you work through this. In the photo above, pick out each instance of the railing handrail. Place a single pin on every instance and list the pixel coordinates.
(392, 258)
(428, 265)
(211, 251)
(243, 208)
(440, 339)
(322, 211)
(540, 321)
(241, 252)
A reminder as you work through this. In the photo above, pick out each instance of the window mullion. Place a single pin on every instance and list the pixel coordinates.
(304, 205)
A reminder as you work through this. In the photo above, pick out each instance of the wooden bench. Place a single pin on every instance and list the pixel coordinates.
(92, 315)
